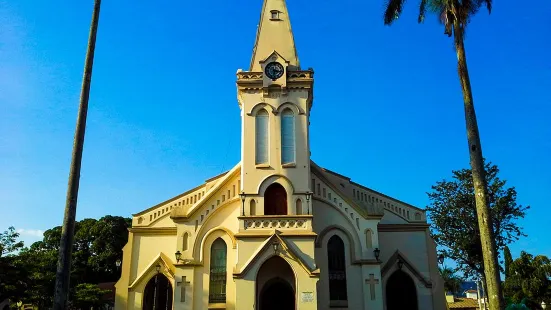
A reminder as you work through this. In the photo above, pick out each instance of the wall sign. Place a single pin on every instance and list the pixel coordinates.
(307, 297)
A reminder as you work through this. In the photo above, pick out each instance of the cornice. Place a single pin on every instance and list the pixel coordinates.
(402, 227)
(153, 230)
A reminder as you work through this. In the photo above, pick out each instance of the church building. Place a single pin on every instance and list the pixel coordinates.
(279, 231)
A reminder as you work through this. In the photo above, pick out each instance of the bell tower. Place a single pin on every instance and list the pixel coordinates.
(275, 96)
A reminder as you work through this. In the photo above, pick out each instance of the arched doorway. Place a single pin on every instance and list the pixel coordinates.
(275, 285)
(275, 200)
(401, 292)
(157, 294)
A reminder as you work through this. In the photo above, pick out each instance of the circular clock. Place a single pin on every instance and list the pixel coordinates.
(274, 70)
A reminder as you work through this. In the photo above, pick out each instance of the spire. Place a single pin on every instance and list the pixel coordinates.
(274, 34)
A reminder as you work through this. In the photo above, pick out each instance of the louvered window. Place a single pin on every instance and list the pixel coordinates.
(287, 137)
(262, 137)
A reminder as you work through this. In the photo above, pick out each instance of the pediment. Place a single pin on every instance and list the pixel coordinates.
(393, 260)
(167, 268)
(267, 246)
(274, 56)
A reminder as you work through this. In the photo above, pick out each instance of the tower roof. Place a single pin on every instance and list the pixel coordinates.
(274, 34)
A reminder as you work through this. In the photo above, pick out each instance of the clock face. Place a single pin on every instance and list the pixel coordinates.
(274, 70)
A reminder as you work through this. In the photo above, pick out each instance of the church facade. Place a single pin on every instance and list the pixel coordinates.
(278, 231)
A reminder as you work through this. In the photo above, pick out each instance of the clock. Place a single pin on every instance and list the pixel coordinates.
(274, 70)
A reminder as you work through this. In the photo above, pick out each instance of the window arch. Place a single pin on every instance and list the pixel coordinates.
(287, 136)
(368, 239)
(252, 206)
(275, 200)
(217, 277)
(299, 207)
(185, 238)
(261, 136)
(337, 269)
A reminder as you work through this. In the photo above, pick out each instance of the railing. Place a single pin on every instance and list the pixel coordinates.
(277, 222)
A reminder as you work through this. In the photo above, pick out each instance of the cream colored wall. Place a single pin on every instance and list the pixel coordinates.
(146, 248)
(251, 176)
(414, 246)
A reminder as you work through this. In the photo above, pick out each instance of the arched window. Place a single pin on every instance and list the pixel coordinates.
(252, 206)
(337, 269)
(299, 207)
(287, 137)
(275, 200)
(368, 239)
(185, 238)
(261, 137)
(217, 277)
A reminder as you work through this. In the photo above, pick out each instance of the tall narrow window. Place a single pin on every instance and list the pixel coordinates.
(217, 285)
(185, 238)
(261, 137)
(287, 137)
(337, 269)
(253, 207)
(299, 207)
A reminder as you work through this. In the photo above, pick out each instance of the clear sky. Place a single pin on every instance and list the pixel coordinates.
(163, 113)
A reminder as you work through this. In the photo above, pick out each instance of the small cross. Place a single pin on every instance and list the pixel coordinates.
(182, 284)
(372, 281)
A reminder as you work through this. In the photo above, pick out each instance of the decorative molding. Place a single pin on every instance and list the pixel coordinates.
(402, 227)
(267, 233)
(351, 240)
(266, 246)
(276, 223)
(165, 261)
(392, 261)
(153, 230)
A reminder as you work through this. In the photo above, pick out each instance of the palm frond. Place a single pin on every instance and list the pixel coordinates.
(489, 5)
(422, 11)
(393, 10)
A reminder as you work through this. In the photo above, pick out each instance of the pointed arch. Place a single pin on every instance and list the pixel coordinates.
(218, 271)
(157, 294)
(401, 292)
(368, 238)
(337, 269)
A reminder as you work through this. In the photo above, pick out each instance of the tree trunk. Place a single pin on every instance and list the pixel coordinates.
(491, 267)
(68, 230)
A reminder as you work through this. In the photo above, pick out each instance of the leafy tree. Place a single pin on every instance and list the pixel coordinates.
(12, 275)
(454, 222)
(529, 280)
(455, 15)
(88, 296)
(97, 245)
(508, 260)
(452, 283)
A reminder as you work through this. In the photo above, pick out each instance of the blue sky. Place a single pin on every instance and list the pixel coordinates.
(163, 113)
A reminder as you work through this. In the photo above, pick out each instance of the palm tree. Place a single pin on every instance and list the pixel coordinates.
(455, 15)
(452, 283)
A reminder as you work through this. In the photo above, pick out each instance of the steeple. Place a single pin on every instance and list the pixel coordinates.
(274, 34)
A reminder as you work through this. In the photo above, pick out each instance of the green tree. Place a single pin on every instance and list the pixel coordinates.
(452, 282)
(529, 280)
(455, 16)
(454, 223)
(12, 275)
(89, 296)
(97, 244)
(508, 260)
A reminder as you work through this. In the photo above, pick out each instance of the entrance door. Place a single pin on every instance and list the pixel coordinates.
(400, 292)
(277, 295)
(157, 294)
(275, 285)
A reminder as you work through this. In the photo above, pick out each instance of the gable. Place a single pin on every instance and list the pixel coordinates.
(372, 202)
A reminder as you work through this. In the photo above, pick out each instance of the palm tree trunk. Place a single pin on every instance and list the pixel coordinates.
(491, 267)
(68, 230)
